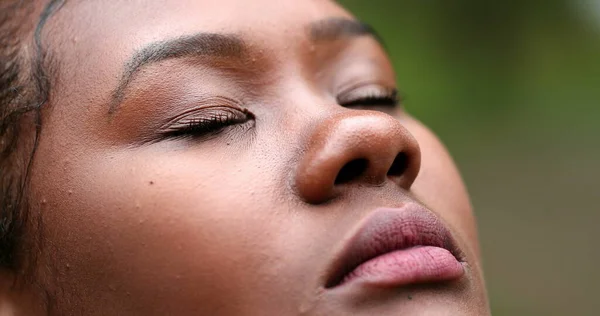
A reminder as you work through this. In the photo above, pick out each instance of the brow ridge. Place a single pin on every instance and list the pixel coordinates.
(332, 29)
(196, 45)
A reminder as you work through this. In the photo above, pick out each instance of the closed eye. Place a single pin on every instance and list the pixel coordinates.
(373, 97)
(208, 121)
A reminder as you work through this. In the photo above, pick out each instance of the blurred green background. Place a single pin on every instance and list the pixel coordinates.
(513, 89)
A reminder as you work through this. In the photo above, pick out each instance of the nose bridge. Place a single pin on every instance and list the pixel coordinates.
(365, 147)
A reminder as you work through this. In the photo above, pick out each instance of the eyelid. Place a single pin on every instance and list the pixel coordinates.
(205, 108)
(366, 91)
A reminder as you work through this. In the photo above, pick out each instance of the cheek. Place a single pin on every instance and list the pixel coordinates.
(148, 224)
(440, 186)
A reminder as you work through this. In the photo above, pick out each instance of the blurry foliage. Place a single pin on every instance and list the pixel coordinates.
(513, 89)
(463, 59)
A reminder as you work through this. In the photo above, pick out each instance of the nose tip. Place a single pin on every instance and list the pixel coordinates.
(356, 147)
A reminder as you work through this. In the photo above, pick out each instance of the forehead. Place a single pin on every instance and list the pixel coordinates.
(122, 26)
(207, 15)
(93, 39)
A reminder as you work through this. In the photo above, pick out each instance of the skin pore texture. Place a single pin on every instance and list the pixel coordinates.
(192, 162)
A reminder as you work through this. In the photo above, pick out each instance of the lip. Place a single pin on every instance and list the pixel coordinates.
(397, 247)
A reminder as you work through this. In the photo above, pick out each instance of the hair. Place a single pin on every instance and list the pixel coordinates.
(24, 90)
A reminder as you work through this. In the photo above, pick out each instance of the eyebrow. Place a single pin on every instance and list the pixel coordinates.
(200, 44)
(332, 29)
(224, 46)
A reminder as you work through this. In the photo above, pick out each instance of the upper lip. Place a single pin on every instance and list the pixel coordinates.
(390, 229)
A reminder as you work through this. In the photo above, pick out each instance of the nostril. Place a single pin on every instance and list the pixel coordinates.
(399, 165)
(351, 171)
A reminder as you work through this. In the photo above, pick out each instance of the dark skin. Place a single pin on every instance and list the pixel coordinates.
(203, 181)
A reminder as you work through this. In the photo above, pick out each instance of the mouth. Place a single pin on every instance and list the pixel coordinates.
(398, 247)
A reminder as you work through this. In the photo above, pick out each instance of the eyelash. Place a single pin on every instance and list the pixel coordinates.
(211, 124)
(385, 98)
(219, 119)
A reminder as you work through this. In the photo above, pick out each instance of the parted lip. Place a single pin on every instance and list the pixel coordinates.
(390, 229)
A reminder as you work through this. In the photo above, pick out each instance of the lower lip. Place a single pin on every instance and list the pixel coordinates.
(422, 264)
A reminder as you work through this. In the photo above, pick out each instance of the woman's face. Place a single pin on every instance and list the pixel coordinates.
(241, 158)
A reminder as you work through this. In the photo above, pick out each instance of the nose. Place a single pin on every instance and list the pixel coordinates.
(356, 147)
